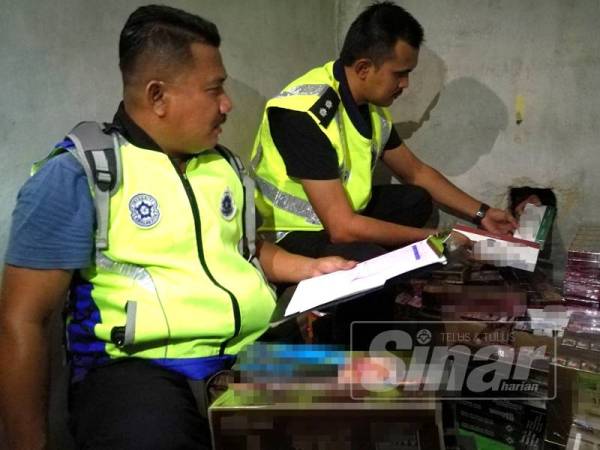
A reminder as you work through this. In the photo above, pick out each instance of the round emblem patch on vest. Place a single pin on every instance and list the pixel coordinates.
(144, 210)
(228, 208)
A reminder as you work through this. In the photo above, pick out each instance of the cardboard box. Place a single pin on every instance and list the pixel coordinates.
(305, 397)
(457, 301)
(237, 424)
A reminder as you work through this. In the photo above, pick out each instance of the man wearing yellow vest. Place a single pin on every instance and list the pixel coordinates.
(321, 137)
(165, 297)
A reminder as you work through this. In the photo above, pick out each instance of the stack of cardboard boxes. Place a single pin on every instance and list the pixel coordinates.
(582, 275)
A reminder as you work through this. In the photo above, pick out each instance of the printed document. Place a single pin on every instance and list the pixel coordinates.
(368, 275)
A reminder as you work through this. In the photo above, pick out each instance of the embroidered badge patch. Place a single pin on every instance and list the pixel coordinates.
(144, 210)
(228, 208)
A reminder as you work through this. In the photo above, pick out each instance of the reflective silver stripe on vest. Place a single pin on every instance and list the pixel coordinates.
(256, 160)
(386, 129)
(305, 89)
(136, 273)
(287, 202)
(273, 236)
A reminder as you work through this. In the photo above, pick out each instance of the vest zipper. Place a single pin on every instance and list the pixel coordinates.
(198, 227)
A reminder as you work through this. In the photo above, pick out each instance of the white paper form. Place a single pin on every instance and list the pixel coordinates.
(370, 274)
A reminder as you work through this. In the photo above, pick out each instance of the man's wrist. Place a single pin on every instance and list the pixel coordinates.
(480, 214)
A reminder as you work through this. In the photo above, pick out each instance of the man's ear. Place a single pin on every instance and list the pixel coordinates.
(156, 97)
(362, 67)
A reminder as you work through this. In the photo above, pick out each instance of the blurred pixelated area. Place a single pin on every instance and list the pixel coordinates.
(298, 397)
(319, 396)
(338, 384)
(327, 393)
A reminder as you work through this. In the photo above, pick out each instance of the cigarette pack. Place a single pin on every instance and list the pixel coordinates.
(521, 250)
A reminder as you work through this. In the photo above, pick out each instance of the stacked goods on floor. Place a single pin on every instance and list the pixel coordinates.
(575, 413)
(516, 425)
(582, 275)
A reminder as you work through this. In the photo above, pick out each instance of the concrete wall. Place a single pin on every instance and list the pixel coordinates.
(59, 65)
(58, 61)
(459, 111)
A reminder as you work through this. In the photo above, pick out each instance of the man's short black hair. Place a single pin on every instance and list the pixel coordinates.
(162, 32)
(374, 33)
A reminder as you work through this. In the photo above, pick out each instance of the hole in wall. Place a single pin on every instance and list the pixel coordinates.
(546, 196)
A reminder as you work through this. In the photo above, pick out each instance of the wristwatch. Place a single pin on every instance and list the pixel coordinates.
(480, 214)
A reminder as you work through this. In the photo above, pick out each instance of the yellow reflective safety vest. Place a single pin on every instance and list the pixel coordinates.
(172, 284)
(280, 199)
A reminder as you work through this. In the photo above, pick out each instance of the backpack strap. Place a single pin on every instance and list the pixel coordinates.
(97, 151)
(248, 242)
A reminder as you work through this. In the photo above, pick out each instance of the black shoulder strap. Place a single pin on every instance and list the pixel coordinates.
(326, 107)
(97, 151)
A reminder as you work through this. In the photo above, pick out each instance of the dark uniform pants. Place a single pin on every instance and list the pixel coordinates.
(134, 404)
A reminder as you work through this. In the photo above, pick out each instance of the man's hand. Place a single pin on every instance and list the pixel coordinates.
(281, 266)
(321, 266)
(499, 221)
(457, 241)
(521, 206)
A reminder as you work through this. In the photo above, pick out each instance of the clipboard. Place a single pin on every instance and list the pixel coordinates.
(325, 291)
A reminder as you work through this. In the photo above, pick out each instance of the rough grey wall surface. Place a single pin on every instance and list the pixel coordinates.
(459, 112)
(58, 61)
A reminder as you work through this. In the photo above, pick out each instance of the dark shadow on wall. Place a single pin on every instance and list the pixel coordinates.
(382, 174)
(448, 125)
(461, 125)
(414, 107)
(242, 123)
(407, 129)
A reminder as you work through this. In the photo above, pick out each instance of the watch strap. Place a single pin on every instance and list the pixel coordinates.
(480, 214)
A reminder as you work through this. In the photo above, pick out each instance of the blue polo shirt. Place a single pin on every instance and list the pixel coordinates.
(53, 220)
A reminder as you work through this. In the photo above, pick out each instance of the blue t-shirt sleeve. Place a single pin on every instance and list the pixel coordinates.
(53, 221)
